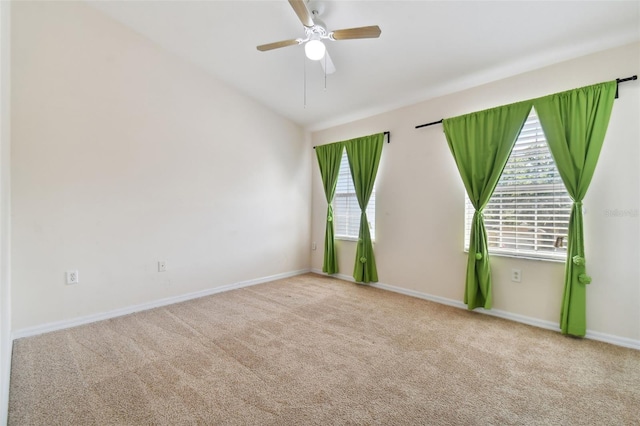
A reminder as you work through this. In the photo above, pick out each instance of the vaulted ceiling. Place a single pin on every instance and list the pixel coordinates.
(426, 49)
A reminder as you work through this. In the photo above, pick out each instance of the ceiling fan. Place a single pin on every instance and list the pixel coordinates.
(315, 31)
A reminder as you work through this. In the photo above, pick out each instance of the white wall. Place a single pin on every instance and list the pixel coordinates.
(124, 155)
(420, 202)
(5, 220)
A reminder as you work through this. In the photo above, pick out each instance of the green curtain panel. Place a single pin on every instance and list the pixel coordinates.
(364, 157)
(575, 123)
(481, 143)
(329, 157)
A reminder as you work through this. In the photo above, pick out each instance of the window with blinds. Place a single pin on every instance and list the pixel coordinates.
(528, 214)
(346, 211)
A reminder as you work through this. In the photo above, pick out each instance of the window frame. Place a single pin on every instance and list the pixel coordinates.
(345, 173)
(556, 207)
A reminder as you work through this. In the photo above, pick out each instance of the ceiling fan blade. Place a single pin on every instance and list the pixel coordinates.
(360, 32)
(302, 12)
(327, 64)
(278, 44)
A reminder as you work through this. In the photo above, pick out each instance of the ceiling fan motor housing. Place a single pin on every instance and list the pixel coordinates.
(317, 32)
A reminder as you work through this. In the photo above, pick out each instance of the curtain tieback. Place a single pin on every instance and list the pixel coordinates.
(363, 259)
(578, 260)
(584, 279)
(479, 215)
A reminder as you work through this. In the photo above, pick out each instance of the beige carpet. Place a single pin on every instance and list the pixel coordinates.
(314, 350)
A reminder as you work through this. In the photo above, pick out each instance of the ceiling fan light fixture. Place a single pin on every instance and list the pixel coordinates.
(315, 50)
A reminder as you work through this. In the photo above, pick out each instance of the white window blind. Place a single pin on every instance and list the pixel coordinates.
(528, 214)
(346, 211)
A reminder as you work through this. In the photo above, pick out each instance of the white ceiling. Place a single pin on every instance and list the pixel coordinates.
(426, 49)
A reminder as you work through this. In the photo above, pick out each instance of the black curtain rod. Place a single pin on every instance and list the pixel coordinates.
(430, 124)
(622, 80)
(618, 80)
(387, 134)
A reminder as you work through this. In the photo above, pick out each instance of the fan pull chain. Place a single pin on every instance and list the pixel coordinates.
(305, 80)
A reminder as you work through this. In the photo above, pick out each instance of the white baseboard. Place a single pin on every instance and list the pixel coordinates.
(74, 322)
(60, 325)
(614, 340)
(6, 378)
(592, 335)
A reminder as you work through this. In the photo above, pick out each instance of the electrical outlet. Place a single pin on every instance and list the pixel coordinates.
(162, 266)
(72, 276)
(516, 275)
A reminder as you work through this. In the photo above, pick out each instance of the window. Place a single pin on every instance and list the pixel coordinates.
(528, 214)
(346, 211)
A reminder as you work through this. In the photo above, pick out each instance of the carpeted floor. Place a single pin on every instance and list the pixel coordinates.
(314, 350)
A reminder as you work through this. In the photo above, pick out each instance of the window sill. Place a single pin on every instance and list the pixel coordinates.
(525, 257)
(354, 239)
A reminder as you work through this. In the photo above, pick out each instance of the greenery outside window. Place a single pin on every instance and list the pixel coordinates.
(528, 214)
